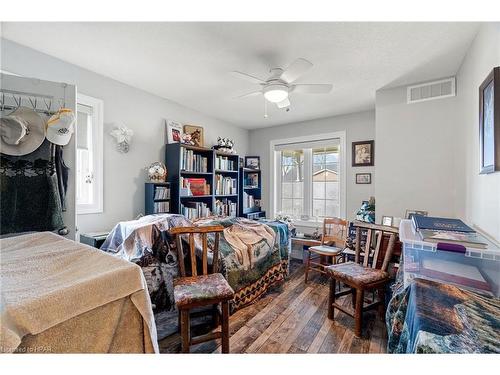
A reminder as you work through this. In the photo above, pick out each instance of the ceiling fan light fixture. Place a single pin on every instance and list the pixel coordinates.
(276, 93)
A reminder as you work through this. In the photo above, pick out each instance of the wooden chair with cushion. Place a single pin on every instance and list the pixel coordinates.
(332, 244)
(208, 289)
(366, 273)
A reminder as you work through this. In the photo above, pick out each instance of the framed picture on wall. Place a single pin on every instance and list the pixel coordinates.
(489, 123)
(409, 213)
(252, 162)
(364, 178)
(174, 131)
(363, 153)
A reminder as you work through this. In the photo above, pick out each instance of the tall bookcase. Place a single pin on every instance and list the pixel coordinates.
(250, 185)
(211, 172)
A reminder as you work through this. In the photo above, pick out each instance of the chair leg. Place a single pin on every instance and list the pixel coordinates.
(331, 298)
(308, 264)
(225, 327)
(381, 307)
(185, 331)
(358, 312)
(353, 297)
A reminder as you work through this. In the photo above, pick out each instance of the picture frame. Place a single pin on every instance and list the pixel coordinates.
(174, 131)
(410, 213)
(252, 162)
(363, 178)
(196, 133)
(387, 220)
(489, 123)
(363, 153)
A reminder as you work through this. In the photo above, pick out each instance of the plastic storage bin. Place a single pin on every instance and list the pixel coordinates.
(477, 270)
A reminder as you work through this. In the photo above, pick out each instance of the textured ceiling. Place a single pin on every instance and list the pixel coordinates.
(190, 63)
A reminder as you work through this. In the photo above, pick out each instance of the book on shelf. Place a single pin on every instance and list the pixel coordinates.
(161, 207)
(225, 185)
(192, 162)
(440, 224)
(195, 186)
(248, 201)
(162, 192)
(224, 163)
(195, 210)
(224, 207)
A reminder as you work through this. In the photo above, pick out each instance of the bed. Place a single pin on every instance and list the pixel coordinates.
(254, 256)
(60, 296)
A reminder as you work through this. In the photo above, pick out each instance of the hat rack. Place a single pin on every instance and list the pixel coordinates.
(12, 100)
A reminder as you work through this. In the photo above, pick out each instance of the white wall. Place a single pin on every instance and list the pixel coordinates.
(415, 154)
(358, 127)
(481, 192)
(124, 174)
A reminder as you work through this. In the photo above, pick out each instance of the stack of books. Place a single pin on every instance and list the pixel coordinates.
(449, 234)
(195, 210)
(162, 192)
(224, 163)
(248, 201)
(161, 207)
(225, 207)
(193, 162)
(194, 186)
(225, 185)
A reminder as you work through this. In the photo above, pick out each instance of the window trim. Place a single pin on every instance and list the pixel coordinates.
(274, 163)
(98, 160)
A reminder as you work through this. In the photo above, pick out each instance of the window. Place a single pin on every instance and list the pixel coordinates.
(89, 160)
(309, 178)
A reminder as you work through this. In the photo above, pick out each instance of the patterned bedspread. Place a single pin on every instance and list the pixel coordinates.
(432, 317)
(253, 257)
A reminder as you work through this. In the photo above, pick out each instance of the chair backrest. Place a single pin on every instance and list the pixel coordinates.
(373, 244)
(203, 231)
(334, 230)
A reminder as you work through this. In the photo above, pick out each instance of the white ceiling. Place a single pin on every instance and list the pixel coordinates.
(190, 63)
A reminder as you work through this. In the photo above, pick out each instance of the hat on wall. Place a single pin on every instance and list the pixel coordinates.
(21, 132)
(61, 127)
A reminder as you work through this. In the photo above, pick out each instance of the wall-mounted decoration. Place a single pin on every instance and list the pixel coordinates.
(387, 220)
(409, 213)
(363, 153)
(157, 172)
(123, 136)
(489, 123)
(174, 131)
(196, 133)
(364, 178)
(252, 162)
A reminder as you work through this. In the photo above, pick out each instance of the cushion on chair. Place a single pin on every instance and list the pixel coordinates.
(326, 250)
(188, 290)
(355, 273)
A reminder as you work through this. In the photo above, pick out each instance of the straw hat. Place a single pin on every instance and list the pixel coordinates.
(21, 132)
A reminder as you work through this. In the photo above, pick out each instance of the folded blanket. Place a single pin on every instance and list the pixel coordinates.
(46, 280)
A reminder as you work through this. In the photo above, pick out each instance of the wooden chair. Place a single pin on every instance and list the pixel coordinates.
(334, 232)
(207, 289)
(366, 273)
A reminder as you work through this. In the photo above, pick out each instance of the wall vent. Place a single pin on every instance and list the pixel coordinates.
(443, 88)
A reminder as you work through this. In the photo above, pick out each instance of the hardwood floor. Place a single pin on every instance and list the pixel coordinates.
(292, 319)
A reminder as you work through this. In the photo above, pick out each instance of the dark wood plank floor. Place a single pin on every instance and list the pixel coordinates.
(292, 319)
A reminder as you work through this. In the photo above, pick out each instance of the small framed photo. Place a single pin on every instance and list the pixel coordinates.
(363, 153)
(252, 162)
(196, 133)
(387, 220)
(363, 178)
(174, 131)
(257, 202)
(489, 123)
(409, 213)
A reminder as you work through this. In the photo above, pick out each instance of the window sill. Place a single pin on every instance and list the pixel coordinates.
(89, 210)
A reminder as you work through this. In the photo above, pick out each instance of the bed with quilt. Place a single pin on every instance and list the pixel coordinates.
(254, 255)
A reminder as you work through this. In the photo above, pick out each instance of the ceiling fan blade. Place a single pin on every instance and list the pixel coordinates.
(284, 103)
(295, 70)
(247, 77)
(253, 93)
(312, 88)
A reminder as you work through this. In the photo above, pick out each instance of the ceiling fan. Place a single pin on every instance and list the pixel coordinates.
(277, 88)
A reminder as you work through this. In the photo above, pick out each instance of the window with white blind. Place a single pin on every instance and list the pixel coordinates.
(89, 160)
(308, 178)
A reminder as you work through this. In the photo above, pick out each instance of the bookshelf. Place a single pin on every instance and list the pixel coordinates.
(251, 189)
(210, 176)
(157, 197)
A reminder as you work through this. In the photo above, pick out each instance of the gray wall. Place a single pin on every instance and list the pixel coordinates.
(415, 154)
(124, 174)
(358, 127)
(481, 193)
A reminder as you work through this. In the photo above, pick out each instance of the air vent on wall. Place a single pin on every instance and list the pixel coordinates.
(443, 88)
